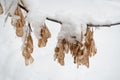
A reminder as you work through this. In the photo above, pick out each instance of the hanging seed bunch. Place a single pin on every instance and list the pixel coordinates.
(1, 9)
(19, 22)
(88, 49)
(79, 44)
(28, 49)
(60, 50)
(80, 50)
(45, 34)
(23, 30)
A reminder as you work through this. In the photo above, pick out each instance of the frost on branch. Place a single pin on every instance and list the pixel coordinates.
(78, 40)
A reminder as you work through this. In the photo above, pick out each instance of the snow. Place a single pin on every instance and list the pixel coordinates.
(36, 19)
(9, 6)
(71, 26)
(103, 66)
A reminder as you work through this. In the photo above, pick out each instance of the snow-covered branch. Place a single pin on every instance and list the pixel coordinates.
(103, 25)
(89, 24)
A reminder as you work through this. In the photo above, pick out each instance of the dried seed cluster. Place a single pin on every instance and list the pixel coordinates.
(1, 9)
(80, 51)
(18, 23)
(60, 50)
(28, 49)
(28, 45)
(45, 34)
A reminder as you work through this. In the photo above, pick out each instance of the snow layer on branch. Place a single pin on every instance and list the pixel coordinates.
(71, 28)
(36, 19)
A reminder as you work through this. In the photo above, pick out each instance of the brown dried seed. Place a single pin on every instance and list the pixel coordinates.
(87, 44)
(1, 9)
(48, 34)
(26, 61)
(30, 43)
(42, 31)
(57, 49)
(59, 53)
(61, 48)
(25, 53)
(61, 56)
(56, 56)
(81, 52)
(21, 21)
(64, 41)
(19, 32)
(93, 50)
(29, 61)
(90, 45)
(28, 58)
(42, 42)
(71, 48)
(75, 59)
(61, 62)
(45, 33)
(86, 61)
(13, 22)
(66, 48)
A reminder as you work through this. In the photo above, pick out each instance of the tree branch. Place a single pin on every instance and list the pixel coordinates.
(90, 25)
(103, 25)
(54, 20)
(23, 8)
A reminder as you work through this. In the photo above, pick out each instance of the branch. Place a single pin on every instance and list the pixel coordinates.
(103, 25)
(23, 8)
(54, 20)
(90, 25)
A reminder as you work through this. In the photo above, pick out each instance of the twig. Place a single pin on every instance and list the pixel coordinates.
(54, 20)
(29, 27)
(23, 8)
(23, 4)
(90, 25)
(104, 25)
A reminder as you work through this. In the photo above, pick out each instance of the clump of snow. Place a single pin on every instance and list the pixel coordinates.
(71, 28)
(10, 6)
(36, 19)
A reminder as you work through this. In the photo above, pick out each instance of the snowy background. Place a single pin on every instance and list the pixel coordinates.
(104, 65)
